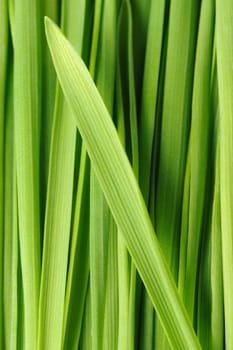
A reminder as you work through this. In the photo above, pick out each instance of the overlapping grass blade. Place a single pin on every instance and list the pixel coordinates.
(27, 104)
(224, 49)
(120, 188)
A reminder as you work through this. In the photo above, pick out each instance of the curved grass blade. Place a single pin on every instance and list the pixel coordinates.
(120, 188)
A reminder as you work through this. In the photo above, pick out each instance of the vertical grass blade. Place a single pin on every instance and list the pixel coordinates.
(78, 271)
(11, 248)
(199, 149)
(3, 71)
(99, 216)
(85, 339)
(27, 102)
(105, 81)
(123, 257)
(58, 206)
(175, 124)
(149, 93)
(79, 264)
(51, 9)
(217, 314)
(224, 48)
(120, 188)
(130, 120)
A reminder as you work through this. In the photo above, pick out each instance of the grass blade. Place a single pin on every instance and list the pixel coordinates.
(27, 99)
(3, 71)
(11, 247)
(120, 188)
(224, 49)
(199, 149)
(58, 207)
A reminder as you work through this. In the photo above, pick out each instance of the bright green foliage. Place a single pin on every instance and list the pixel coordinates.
(116, 195)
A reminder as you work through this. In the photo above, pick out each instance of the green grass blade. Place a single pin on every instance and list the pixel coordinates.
(78, 271)
(27, 129)
(11, 10)
(125, 38)
(120, 188)
(111, 303)
(140, 16)
(224, 49)
(85, 339)
(11, 248)
(217, 314)
(199, 149)
(175, 124)
(105, 80)
(123, 257)
(149, 93)
(79, 266)
(99, 213)
(3, 71)
(57, 228)
(50, 9)
(58, 207)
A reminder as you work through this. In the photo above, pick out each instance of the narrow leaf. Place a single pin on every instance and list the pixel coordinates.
(121, 190)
